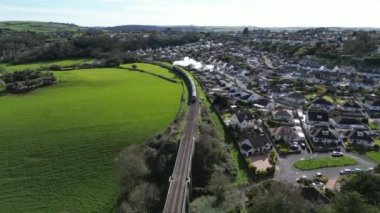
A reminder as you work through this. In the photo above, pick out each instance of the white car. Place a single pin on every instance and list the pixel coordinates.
(318, 185)
(337, 154)
(346, 171)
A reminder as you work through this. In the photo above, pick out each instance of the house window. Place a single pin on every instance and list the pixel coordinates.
(325, 132)
(360, 134)
(319, 117)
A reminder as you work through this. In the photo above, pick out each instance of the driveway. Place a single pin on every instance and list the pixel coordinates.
(285, 171)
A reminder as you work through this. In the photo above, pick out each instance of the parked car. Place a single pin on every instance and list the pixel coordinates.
(318, 185)
(302, 178)
(346, 171)
(358, 170)
(336, 154)
(303, 146)
(370, 169)
(319, 174)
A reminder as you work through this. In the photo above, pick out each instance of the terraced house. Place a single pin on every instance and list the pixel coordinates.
(359, 138)
(324, 136)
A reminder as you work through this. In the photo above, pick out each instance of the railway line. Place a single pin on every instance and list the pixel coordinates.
(180, 180)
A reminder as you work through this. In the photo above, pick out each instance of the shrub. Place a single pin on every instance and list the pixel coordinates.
(248, 161)
(55, 67)
(284, 151)
(272, 158)
(329, 193)
(253, 168)
(376, 147)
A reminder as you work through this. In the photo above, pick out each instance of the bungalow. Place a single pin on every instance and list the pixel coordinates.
(242, 120)
(282, 115)
(323, 104)
(323, 135)
(317, 118)
(374, 106)
(257, 144)
(351, 106)
(359, 138)
(284, 133)
(346, 123)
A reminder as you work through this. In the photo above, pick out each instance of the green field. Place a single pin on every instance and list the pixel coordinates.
(36, 26)
(45, 64)
(58, 144)
(374, 156)
(326, 162)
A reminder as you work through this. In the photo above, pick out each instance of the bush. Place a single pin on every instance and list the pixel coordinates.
(272, 158)
(55, 67)
(252, 167)
(248, 161)
(329, 193)
(284, 151)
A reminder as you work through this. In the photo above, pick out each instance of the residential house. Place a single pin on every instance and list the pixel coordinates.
(296, 99)
(351, 106)
(346, 123)
(323, 135)
(243, 120)
(282, 115)
(357, 137)
(258, 144)
(263, 103)
(322, 103)
(284, 133)
(317, 118)
(374, 106)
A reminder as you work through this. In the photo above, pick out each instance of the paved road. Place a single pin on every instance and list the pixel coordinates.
(286, 171)
(176, 198)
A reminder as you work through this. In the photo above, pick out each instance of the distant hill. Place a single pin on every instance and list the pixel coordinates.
(54, 27)
(34, 26)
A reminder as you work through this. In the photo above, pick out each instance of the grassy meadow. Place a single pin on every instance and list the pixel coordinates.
(58, 144)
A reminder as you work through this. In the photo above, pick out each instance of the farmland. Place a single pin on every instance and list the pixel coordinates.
(36, 26)
(58, 144)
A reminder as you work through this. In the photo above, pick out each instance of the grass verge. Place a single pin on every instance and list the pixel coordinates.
(317, 163)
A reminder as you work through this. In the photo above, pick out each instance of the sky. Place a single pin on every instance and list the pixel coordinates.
(260, 13)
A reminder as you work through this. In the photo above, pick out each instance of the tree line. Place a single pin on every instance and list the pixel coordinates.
(21, 47)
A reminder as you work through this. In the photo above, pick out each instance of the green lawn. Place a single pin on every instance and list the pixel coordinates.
(374, 156)
(329, 98)
(58, 144)
(374, 125)
(318, 163)
(70, 62)
(377, 141)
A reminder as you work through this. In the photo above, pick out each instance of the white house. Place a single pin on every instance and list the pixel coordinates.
(243, 120)
(285, 133)
(282, 115)
(258, 144)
